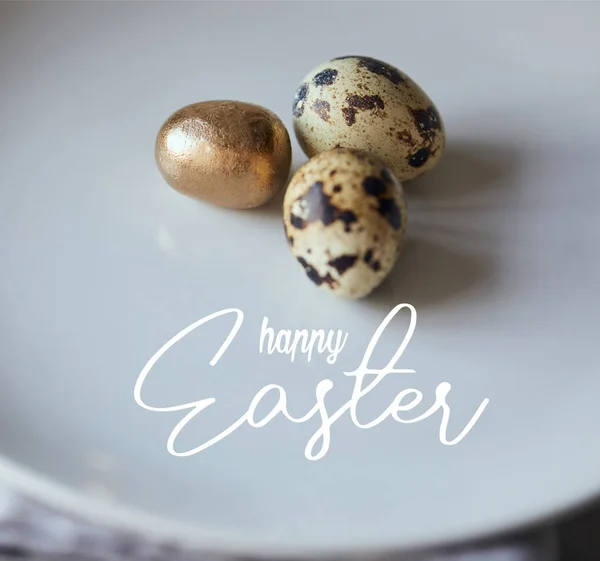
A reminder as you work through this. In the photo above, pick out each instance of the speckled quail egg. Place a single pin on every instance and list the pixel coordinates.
(229, 153)
(344, 214)
(366, 104)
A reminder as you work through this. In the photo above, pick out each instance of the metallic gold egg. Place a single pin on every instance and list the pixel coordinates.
(230, 153)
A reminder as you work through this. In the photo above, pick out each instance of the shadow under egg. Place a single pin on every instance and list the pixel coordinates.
(429, 274)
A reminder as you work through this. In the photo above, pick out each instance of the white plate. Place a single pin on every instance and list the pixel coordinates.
(102, 263)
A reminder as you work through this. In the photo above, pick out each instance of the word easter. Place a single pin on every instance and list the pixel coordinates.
(365, 380)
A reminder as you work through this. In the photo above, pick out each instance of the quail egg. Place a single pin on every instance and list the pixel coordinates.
(366, 104)
(345, 217)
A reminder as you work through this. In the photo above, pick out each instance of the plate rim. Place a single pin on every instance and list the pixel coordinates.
(67, 501)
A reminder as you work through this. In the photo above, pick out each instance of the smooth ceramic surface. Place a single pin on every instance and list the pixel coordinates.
(103, 263)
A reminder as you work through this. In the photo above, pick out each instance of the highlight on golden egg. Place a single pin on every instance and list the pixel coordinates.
(366, 104)
(229, 153)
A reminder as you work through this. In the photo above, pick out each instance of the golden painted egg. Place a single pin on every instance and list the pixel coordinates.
(229, 153)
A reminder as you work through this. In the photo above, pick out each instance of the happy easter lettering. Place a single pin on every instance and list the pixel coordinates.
(316, 342)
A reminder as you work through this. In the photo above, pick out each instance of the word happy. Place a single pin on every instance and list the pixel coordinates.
(284, 343)
(365, 378)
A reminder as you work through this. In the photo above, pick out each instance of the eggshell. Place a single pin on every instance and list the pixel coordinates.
(230, 153)
(344, 214)
(366, 104)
